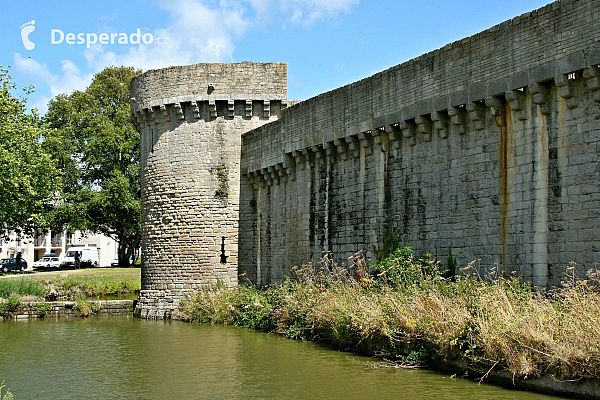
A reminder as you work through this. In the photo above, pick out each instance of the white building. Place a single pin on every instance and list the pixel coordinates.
(32, 249)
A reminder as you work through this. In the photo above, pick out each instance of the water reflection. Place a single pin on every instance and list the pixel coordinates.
(127, 358)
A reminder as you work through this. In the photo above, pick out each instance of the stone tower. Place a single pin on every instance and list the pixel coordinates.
(191, 120)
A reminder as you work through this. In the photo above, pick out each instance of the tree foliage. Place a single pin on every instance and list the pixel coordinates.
(28, 175)
(98, 150)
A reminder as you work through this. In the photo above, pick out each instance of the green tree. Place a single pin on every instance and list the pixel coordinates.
(28, 175)
(98, 150)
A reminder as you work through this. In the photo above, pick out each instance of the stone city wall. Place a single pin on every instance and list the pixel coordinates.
(191, 120)
(489, 146)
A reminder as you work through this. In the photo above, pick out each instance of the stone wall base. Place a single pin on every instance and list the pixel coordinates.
(159, 304)
(42, 309)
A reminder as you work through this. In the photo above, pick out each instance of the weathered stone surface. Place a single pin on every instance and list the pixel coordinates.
(190, 171)
(489, 145)
(49, 309)
(512, 178)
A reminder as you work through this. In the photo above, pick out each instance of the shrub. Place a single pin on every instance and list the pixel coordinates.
(400, 268)
(11, 304)
(390, 241)
(249, 307)
(85, 308)
(221, 172)
(44, 307)
(451, 265)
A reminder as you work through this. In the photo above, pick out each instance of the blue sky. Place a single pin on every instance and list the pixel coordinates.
(326, 43)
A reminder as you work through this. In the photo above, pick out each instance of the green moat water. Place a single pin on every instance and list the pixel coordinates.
(126, 358)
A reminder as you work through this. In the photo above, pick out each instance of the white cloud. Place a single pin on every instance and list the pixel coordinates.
(201, 33)
(197, 32)
(302, 12)
(41, 103)
(71, 78)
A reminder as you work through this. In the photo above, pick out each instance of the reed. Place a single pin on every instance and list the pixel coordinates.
(421, 314)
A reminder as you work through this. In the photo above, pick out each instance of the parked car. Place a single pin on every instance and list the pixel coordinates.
(115, 262)
(47, 262)
(88, 257)
(10, 264)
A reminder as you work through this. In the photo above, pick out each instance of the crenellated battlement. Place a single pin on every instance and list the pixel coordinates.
(190, 108)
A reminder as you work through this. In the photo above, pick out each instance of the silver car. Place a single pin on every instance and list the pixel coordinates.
(47, 262)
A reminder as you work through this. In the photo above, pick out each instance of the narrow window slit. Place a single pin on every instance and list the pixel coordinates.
(223, 256)
(152, 139)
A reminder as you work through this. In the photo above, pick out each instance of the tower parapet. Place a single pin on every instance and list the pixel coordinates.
(191, 120)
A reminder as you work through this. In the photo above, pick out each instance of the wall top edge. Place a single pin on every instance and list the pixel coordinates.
(478, 92)
(209, 67)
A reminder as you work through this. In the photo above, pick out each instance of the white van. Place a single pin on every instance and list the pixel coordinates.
(88, 256)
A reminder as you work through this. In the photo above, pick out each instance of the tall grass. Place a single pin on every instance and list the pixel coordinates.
(20, 286)
(91, 286)
(74, 284)
(7, 395)
(498, 322)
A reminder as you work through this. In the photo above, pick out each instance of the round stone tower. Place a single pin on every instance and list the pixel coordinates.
(191, 120)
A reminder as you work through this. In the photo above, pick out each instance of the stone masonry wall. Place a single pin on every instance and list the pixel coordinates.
(191, 120)
(49, 309)
(489, 145)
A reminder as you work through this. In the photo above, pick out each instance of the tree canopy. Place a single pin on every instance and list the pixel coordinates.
(98, 151)
(28, 175)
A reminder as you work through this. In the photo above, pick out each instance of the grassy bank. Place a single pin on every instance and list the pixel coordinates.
(73, 284)
(408, 310)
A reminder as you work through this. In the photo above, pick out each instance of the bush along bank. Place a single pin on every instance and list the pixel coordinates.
(73, 284)
(408, 310)
(35, 296)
